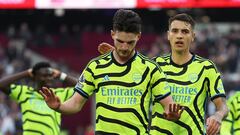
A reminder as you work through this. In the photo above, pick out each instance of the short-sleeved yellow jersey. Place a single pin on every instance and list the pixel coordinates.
(123, 92)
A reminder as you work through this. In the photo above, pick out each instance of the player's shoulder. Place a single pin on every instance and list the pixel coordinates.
(146, 60)
(23, 87)
(142, 56)
(102, 59)
(162, 58)
(204, 61)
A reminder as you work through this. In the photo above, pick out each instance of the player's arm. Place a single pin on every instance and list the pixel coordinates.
(227, 123)
(72, 105)
(104, 48)
(214, 121)
(70, 80)
(161, 92)
(7, 81)
(172, 111)
(218, 97)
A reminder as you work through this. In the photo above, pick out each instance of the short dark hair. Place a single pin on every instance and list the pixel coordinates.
(40, 65)
(127, 21)
(182, 17)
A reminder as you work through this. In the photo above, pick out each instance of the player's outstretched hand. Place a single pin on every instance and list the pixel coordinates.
(174, 113)
(213, 124)
(104, 48)
(50, 98)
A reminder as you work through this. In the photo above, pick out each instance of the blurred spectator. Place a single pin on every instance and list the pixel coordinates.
(3, 57)
(42, 38)
(154, 51)
(232, 54)
(11, 31)
(15, 49)
(24, 32)
(7, 125)
(76, 37)
(63, 35)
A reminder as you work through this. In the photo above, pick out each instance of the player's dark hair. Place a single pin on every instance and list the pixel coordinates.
(182, 17)
(40, 65)
(127, 21)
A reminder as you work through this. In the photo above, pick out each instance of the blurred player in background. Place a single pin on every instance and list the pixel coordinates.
(231, 124)
(123, 82)
(37, 117)
(191, 80)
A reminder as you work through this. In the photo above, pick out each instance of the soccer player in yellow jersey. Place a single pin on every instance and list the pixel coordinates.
(231, 124)
(37, 117)
(123, 81)
(191, 80)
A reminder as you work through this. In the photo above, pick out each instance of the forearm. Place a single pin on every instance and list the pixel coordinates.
(70, 80)
(73, 105)
(67, 108)
(222, 112)
(5, 82)
(221, 108)
(165, 103)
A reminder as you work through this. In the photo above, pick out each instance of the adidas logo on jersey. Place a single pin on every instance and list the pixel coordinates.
(106, 78)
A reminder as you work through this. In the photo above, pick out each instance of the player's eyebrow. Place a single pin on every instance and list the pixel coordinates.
(128, 42)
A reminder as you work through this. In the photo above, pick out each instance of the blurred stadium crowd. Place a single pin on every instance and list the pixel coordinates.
(71, 47)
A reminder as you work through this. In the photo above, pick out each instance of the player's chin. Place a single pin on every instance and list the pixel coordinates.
(179, 49)
(124, 54)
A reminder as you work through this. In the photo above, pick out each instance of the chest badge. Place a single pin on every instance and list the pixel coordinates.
(193, 77)
(137, 77)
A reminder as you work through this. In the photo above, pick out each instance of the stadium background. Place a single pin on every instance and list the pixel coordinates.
(68, 37)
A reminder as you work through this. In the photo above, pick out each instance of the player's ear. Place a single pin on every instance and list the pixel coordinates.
(168, 34)
(139, 35)
(193, 37)
(112, 34)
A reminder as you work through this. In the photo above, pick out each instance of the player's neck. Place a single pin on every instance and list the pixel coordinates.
(181, 58)
(122, 60)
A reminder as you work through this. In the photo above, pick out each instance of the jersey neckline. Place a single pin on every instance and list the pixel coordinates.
(127, 63)
(183, 65)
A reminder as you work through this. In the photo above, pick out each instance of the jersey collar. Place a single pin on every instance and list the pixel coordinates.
(183, 65)
(127, 63)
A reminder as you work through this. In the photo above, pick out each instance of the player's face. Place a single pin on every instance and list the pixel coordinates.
(44, 77)
(180, 36)
(125, 43)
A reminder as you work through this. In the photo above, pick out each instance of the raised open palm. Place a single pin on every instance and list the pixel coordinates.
(174, 113)
(50, 98)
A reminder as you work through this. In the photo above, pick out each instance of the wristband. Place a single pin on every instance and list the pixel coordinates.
(63, 76)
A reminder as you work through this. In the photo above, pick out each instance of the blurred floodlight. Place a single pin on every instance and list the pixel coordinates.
(59, 12)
